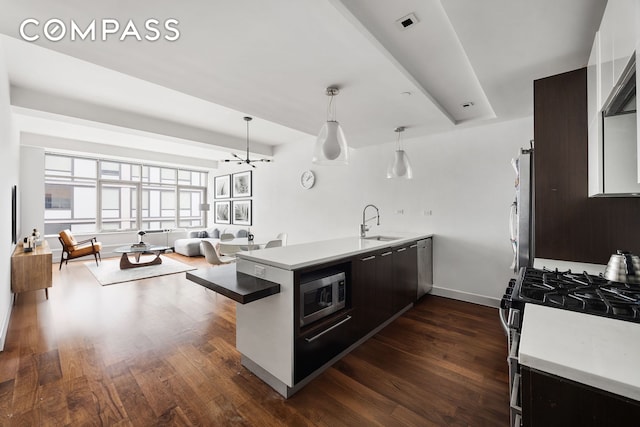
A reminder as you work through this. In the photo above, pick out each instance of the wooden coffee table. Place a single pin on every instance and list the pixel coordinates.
(137, 251)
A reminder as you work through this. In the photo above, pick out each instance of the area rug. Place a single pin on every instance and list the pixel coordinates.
(109, 273)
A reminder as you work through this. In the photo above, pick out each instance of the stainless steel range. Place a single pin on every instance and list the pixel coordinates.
(566, 290)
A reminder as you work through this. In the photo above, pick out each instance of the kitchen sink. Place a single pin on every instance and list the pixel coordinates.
(382, 238)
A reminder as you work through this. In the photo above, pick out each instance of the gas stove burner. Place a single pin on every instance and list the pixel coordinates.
(578, 292)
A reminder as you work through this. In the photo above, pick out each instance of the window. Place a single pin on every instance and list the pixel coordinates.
(89, 195)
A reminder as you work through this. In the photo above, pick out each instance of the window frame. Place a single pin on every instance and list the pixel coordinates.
(138, 184)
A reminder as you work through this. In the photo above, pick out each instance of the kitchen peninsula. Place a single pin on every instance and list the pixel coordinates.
(379, 283)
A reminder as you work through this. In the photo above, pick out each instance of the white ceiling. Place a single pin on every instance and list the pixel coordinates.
(273, 60)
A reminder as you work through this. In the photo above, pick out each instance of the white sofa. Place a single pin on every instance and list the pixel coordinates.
(191, 245)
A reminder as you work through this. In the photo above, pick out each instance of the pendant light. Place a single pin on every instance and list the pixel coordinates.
(331, 146)
(247, 160)
(400, 167)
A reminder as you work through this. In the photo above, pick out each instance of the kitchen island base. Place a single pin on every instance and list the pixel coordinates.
(283, 389)
(278, 334)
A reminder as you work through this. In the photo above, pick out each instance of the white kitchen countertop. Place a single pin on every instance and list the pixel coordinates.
(593, 350)
(293, 257)
(576, 267)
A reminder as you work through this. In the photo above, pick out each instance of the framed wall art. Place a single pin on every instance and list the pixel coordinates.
(222, 186)
(222, 212)
(242, 212)
(242, 184)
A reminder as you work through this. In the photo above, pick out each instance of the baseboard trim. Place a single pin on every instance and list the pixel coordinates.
(5, 324)
(465, 296)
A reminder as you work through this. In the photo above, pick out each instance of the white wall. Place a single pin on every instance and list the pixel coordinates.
(32, 189)
(8, 178)
(464, 177)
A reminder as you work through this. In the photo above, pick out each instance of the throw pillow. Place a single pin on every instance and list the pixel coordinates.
(202, 234)
(214, 233)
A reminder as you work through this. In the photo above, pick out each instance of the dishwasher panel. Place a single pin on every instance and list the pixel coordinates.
(425, 266)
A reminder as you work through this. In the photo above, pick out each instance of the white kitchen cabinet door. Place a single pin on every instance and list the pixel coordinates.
(624, 34)
(593, 115)
(606, 53)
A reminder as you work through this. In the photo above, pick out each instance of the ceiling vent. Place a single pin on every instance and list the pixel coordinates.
(407, 21)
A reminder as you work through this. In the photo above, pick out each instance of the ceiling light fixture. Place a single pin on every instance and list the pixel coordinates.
(400, 167)
(246, 160)
(331, 145)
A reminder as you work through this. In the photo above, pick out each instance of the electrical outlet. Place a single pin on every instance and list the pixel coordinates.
(400, 211)
(260, 271)
(427, 212)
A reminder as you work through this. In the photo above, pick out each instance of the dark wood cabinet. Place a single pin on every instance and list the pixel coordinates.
(549, 400)
(371, 274)
(380, 284)
(384, 282)
(568, 224)
(405, 271)
(321, 343)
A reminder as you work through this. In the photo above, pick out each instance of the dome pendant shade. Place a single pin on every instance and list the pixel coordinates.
(400, 167)
(331, 146)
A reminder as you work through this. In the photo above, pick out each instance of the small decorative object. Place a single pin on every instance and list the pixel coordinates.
(36, 238)
(307, 179)
(26, 247)
(242, 212)
(222, 186)
(140, 234)
(222, 212)
(249, 235)
(242, 184)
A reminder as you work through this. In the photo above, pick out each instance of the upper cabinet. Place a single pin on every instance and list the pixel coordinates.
(617, 42)
(611, 88)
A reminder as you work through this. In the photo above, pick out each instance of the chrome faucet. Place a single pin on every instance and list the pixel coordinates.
(363, 226)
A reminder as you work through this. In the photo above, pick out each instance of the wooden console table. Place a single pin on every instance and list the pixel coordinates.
(31, 271)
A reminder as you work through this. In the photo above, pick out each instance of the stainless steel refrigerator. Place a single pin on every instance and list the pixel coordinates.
(521, 219)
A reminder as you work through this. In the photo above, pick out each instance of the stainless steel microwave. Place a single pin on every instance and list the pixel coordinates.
(321, 297)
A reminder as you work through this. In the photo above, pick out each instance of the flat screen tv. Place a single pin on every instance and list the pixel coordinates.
(14, 214)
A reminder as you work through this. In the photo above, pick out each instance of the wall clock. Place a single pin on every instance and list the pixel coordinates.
(307, 179)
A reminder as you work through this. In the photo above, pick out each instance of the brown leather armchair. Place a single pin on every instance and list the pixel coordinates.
(73, 249)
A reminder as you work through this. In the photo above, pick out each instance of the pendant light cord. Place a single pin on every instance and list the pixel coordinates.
(248, 139)
(399, 131)
(329, 110)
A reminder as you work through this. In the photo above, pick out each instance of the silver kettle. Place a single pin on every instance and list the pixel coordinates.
(623, 267)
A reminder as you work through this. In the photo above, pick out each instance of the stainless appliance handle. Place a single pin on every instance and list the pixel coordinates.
(413, 246)
(401, 250)
(503, 320)
(369, 258)
(315, 337)
(512, 220)
(386, 253)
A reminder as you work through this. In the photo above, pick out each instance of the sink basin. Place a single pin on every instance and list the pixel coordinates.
(382, 238)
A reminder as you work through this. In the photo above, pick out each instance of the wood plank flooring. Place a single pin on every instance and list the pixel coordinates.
(161, 351)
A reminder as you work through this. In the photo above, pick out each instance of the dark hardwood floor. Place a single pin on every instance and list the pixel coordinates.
(161, 351)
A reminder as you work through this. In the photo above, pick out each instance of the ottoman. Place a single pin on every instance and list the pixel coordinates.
(188, 247)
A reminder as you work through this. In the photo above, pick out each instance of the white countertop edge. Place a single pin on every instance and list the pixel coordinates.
(259, 256)
(592, 350)
(593, 380)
